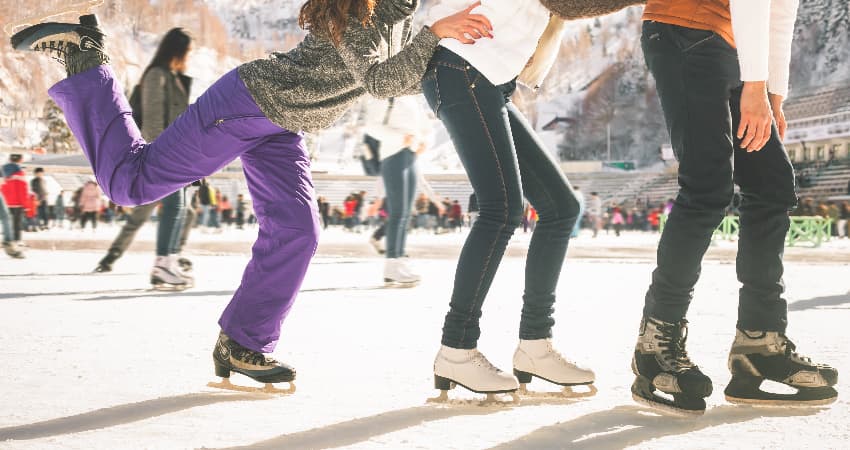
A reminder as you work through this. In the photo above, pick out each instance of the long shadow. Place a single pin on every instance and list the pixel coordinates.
(127, 294)
(628, 425)
(119, 415)
(812, 303)
(12, 295)
(358, 430)
(81, 274)
(154, 294)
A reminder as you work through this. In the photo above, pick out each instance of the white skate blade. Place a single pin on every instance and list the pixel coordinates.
(568, 392)
(80, 7)
(165, 287)
(392, 284)
(667, 410)
(506, 399)
(269, 388)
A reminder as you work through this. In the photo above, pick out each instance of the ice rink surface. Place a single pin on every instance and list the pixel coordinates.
(100, 361)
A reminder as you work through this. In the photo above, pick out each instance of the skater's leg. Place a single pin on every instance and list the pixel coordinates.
(221, 125)
(473, 111)
(548, 190)
(694, 87)
(135, 220)
(411, 178)
(170, 221)
(279, 179)
(188, 223)
(5, 221)
(393, 173)
(766, 179)
(17, 223)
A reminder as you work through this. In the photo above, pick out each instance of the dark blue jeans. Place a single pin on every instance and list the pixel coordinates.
(504, 159)
(399, 174)
(699, 83)
(171, 218)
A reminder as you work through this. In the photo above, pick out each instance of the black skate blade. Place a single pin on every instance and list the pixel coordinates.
(804, 398)
(668, 408)
(26, 38)
(268, 389)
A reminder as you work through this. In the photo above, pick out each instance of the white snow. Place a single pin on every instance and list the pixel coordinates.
(98, 361)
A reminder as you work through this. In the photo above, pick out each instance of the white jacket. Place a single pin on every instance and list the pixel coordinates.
(517, 27)
(764, 30)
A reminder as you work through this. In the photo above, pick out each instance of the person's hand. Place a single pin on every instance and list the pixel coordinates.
(463, 26)
(756, 117)
(778, 114)
(407, 142)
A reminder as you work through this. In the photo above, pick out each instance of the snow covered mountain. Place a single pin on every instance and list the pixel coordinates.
(599, 83)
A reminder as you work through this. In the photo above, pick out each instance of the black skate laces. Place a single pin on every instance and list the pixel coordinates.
(790, 351)
(250, 357)
(672, 342)
(57, 50)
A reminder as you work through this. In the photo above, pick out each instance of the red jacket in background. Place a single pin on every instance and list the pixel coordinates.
(31, 206)
(16, 190)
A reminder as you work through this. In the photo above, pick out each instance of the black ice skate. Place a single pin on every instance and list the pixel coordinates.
(105, 264)
(661, 363)
(768, 355)
(229, 356)
(79, 46)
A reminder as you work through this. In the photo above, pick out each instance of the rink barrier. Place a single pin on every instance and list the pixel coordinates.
(813, 230)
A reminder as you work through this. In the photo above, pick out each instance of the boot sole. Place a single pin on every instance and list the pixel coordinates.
(525, 378)
(223, 371)
(447, 384)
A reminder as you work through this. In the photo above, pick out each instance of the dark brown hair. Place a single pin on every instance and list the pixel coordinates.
(328, 18)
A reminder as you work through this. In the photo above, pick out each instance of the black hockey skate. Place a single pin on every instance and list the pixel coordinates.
(661, 363)
(229, 356)
(79, 46)
(768, 355)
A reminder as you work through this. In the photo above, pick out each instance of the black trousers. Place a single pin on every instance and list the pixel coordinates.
(17, 214)
(698, 81)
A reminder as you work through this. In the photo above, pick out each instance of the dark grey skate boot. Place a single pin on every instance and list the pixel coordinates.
(661, 363)
(79, 46)
(105, 264)
(229, 356)
(769, 355)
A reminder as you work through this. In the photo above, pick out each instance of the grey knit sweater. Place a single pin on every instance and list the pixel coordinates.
(310, 87)
(577, 9)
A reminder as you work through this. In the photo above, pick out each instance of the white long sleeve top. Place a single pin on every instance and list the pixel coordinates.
(764, 30)
(517, 26)
(391, 125)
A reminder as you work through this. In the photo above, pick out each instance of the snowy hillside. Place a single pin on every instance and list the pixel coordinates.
(600, 80)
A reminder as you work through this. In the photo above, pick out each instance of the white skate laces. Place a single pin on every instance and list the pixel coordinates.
(539, 358)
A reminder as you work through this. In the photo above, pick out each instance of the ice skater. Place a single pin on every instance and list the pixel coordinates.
(469, 90)
(9, 246)
(398, 129)
(164, 95)
(722, 68)
(256, 112)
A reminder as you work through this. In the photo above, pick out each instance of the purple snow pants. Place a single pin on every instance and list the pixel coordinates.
(224, 123)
